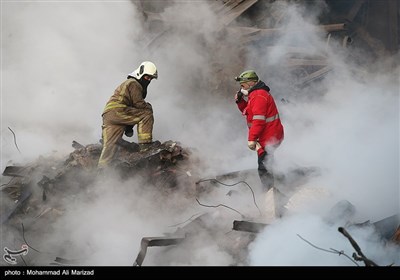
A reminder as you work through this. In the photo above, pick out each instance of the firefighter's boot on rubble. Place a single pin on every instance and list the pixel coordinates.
(131, 147)
(147, 146)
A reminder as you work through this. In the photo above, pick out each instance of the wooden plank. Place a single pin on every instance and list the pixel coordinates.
(250, 34)
(223, 7)
(16, 171)
(150, 16)
(248, 226)
(355, 9)
(306, 62)
(396, 236)
(315, 75)
(26, 193)
(262, 31)
(376, 45)
(237, 10)
(154, 241)
(334, 27)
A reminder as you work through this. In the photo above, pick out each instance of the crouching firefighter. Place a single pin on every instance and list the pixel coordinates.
(125, 109)
(266, 131)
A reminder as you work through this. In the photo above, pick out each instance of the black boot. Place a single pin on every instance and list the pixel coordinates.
(131, 147)
(129, 130)
(266, 178)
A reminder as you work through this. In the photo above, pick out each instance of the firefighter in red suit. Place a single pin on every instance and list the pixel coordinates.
(265, 128)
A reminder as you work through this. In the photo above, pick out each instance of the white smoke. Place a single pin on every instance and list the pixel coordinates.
(351, 132)
(62, 61)
(60, 65)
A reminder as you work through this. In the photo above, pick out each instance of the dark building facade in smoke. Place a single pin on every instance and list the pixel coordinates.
(368, 30)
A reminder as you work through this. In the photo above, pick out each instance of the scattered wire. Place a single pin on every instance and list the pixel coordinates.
(23, 260)
(15, 139)
(231, 185)
(190, 219)
(26, 242)
(322, 249)
(344, 254)
(215, 206)
(57, 258)
(228, 232)
(333, 251)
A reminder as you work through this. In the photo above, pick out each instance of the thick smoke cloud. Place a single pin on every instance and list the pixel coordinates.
(350, 131)
(61, 62)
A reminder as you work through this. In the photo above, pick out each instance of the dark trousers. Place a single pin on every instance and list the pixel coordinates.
(266, 175)
(264, 172)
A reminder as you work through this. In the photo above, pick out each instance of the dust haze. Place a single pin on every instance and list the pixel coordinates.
(61, 62)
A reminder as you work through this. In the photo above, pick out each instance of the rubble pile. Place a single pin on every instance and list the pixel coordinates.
(40, 186)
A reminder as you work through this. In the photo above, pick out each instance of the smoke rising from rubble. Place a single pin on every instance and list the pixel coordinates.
(62, 61)
(59, 67)
(351, 133)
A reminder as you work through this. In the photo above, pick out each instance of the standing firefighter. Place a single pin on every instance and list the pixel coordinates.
(127, 108)
(265, 127)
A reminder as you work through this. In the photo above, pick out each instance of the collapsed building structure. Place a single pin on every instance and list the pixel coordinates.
(38, 193)
(372, 26)
(34, 190)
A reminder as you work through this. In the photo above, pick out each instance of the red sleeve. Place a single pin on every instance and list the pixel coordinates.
(242, 104)
(259, 106)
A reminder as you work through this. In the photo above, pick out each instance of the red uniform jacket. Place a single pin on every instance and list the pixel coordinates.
(262, 117)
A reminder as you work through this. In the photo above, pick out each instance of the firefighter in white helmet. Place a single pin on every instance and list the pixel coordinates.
(125, 109)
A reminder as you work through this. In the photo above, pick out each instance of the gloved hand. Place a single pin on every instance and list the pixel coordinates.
(252, 145)
(129, 130)
(238, 96)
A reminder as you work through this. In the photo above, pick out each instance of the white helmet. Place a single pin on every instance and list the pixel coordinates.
(146, 68)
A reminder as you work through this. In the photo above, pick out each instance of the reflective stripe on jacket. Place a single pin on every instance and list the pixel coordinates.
(261, 117)
(128, 94)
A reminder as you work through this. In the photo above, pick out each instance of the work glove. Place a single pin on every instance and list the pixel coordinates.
(252, 145)
(238, 96)
(129, 130)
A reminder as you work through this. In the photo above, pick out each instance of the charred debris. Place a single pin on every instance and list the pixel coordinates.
(37, 193)
(355, 26)
(36, 190)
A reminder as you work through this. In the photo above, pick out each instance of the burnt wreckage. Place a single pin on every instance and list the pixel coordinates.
(37, 189)
(348, 24)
